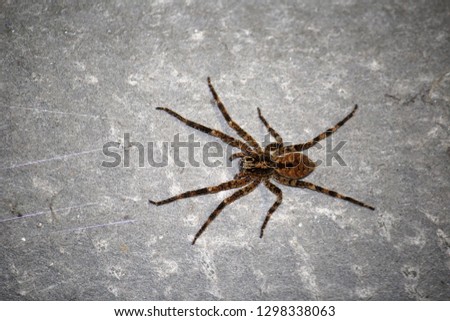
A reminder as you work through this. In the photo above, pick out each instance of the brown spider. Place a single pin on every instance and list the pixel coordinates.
(285, 164)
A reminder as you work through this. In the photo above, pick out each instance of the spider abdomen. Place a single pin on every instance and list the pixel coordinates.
(297, 165)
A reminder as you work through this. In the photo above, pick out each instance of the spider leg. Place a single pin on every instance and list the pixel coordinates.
(275, 190)
(238, 194)
(235, 183)
(236, 155)
(315, 140)
(313, 187)
(272, 131)
(224, 137)
(246, 136)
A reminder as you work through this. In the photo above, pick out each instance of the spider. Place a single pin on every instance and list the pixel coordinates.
(285, 164)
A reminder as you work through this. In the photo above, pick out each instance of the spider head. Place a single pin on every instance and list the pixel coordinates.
(255, 165)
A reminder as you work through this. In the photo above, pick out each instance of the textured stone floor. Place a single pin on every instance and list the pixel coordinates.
(76, 78)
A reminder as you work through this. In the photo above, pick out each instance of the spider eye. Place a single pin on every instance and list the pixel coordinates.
(249, 162)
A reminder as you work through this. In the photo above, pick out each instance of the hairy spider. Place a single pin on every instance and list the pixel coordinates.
(284, 164)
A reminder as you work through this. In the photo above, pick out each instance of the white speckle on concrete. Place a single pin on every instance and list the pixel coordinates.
(166, 268)
(197, 35)
(374, 65)
(113, 290)
(91, 79)
(209, 268)
(134, 79)
(43, 184)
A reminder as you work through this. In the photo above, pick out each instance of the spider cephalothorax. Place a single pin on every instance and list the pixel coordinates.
(283, 163)
(290, 165)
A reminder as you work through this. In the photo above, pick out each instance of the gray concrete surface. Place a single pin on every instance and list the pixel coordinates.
(75, 76)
